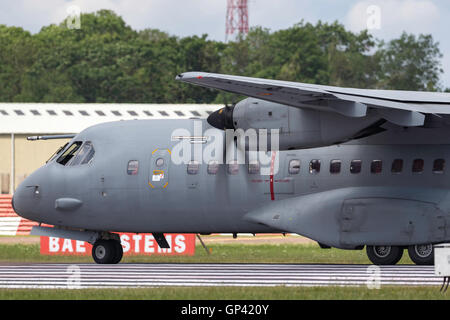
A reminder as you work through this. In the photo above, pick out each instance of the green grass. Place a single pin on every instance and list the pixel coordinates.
(221, 253)
(232, 293)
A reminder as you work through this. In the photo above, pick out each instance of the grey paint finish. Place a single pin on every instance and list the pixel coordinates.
(344, 209)
(115, 201)
(347, 218)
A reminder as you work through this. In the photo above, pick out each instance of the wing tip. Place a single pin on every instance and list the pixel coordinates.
(190, 75)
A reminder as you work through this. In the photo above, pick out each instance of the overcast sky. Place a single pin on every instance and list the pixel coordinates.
(386, 18)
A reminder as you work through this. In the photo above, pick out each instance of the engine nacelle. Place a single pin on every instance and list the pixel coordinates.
(298, 127)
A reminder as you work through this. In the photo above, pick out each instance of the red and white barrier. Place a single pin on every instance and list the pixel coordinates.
(10, 223)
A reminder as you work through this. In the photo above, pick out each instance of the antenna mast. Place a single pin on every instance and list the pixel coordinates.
(237, 17)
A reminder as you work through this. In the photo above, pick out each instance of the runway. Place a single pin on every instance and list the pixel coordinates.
(54, 276)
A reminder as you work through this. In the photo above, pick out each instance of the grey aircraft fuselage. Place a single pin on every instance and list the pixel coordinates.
(341, 209)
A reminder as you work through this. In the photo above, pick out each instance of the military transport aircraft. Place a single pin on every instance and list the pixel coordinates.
(353, 168)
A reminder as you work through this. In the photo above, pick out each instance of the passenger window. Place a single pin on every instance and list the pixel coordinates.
(193, 167)
(355, 166)
(294, 166)
(253, 167)
(233, 167)
(438, 166)
(213, 167)
(376, 166)
(83, 156)
(133, 167)
(397, 166)
(69, 153)
(417, 166)
(335, 166)
(314, 166)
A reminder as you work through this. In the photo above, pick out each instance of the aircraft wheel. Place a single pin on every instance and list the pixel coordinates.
(422, 254)
(384, 255)
(104, 251)
(119, 251)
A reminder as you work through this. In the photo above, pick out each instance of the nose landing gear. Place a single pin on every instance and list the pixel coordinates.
(107, 251)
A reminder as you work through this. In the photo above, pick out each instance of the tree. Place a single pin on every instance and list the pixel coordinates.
(17, 54)
(107, 61)
(410, 63)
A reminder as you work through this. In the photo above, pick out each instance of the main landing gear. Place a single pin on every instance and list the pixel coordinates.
(390, 255)
(107, 251)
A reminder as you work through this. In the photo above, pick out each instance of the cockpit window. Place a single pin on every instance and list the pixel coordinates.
(69, 153)
(77, 154)
(57, 152)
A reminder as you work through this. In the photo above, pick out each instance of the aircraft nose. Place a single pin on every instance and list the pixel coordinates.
(18, 200)
(24, 200)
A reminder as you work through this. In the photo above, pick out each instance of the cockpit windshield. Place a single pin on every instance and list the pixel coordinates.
(77, 154)
(57, 152)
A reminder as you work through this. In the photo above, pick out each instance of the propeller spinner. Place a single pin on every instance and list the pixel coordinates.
(222, 118)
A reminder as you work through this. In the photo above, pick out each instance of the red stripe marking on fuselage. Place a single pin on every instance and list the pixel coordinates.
(272, 194)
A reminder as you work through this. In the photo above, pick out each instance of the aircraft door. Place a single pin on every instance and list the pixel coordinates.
(159, 169)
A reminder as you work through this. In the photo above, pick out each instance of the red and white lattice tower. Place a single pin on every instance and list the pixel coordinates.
(237, 17)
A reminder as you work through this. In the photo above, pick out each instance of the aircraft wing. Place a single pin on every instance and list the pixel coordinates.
(401, 107)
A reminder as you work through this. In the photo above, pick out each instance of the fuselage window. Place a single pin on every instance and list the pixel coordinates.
(335, 166)
(438, 166)
(355, 166)
(69, 153)
(133, 167)
(294, 166)
(417, 166)
(213, 167)
(376, 166)
(83, 156)
(233, 167)
(193, 167)
(314, 166)
(397, 166)
(253, 167)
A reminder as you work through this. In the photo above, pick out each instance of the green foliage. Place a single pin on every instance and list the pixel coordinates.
(107, 61)
(410, 63)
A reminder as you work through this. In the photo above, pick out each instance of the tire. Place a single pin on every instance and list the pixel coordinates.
(104, 251)
(119, 251)
(384, 255)
(422, 254)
